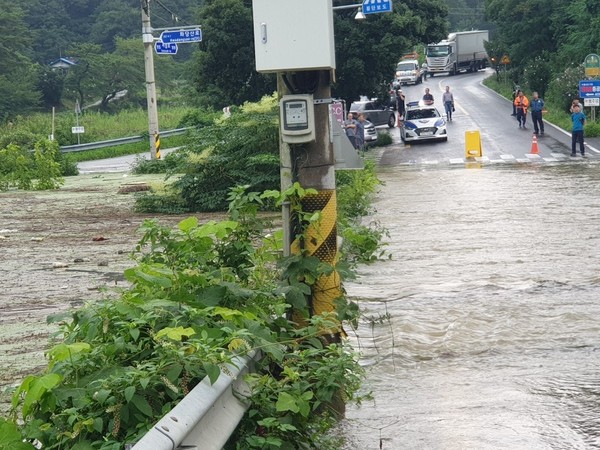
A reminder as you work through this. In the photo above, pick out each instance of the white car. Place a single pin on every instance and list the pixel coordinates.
(422, 122)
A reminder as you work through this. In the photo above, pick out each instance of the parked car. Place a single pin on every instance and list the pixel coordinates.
(370, 133)
(375, 112)
(422, 122)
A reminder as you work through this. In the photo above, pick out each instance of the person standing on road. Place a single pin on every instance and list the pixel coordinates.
(578, 118)
(514, 96)
(448, 101)
(427, 98)
(350, 127)
(521, 104)
(401, 104)
(360, 131)
(537, 106)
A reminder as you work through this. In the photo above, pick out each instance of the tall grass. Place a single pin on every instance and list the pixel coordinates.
(98, 126)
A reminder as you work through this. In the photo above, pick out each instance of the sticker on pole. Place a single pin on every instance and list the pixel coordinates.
(376, 6)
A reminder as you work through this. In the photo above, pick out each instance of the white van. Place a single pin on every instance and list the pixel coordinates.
(409, 71)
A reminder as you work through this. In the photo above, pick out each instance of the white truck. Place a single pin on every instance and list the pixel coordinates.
(463, 50)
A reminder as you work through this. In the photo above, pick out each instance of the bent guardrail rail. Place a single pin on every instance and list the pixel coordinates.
(119, 141)
(206, 417)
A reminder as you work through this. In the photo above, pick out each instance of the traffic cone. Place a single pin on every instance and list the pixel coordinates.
(534, 145)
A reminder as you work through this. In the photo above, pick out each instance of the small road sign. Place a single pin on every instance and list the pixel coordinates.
(181, 36)
(77, 130)
(376, 6)
(589, 89)
(505, 59)
(165, 49)
(592, 65)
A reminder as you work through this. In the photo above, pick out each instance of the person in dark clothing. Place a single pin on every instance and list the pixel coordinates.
(401, 103)
(537, 106)
(427, 98)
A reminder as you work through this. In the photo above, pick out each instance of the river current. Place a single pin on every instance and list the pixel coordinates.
(482, 331)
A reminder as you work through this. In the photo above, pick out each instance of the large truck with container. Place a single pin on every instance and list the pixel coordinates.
(461, 51)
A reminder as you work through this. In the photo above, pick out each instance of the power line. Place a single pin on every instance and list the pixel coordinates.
(174, 17)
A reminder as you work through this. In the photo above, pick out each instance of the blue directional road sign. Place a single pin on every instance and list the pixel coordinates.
(376, 6)
(165, 49)
(589, 88)
(181, 36)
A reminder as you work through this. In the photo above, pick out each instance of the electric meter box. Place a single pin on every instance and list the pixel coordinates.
(297, 118)
(293, 35)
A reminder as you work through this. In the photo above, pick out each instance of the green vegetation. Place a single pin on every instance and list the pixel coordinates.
(98, 126)
(23, 169)
(200, 294)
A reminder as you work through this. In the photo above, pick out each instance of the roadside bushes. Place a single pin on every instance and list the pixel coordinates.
(200, 294)
(238, 150)
(31, 170)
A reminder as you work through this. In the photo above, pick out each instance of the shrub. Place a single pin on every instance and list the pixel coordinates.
(195, 301)
(25, 169)
(564, 87)
(240, 150)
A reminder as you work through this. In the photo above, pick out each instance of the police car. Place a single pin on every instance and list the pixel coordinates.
(422, 122)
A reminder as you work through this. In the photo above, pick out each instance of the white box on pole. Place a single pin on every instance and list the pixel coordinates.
(293, 35)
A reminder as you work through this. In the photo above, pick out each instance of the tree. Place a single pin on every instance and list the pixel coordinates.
(99, 77)
(525, 27)
(114, 19)
(368, 51)
(224, 68)
(18, 93)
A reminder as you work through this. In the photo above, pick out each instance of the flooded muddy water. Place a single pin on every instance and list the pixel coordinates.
(483, 331)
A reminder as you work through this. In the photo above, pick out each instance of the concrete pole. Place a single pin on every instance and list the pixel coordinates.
(312, 164)
(148, 40)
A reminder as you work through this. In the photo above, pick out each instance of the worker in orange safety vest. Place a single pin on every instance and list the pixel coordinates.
(521, 104)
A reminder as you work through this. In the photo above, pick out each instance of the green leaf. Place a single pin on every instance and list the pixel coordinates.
(135, 333)
(102, 395)
(295, 297)
(174, 372)
(154, 279)
(37, 388)
(98, 424)
(226, 313)
(212, 295)
(144, 382)
(129, 391)
(175, 334)
(10, 437)
(285, 402)
(187, 224)
(83, 446)
(62, 352)
(142, 405)
(212, 371)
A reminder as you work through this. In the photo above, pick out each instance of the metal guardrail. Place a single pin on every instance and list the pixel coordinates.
(206, 417)
(119, 141)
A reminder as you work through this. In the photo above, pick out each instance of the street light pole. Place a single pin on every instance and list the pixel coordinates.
(148, 40)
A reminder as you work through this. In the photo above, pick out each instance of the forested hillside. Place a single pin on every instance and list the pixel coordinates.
(542, 38)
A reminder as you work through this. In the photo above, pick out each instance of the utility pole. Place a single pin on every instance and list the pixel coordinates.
(148, 40)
